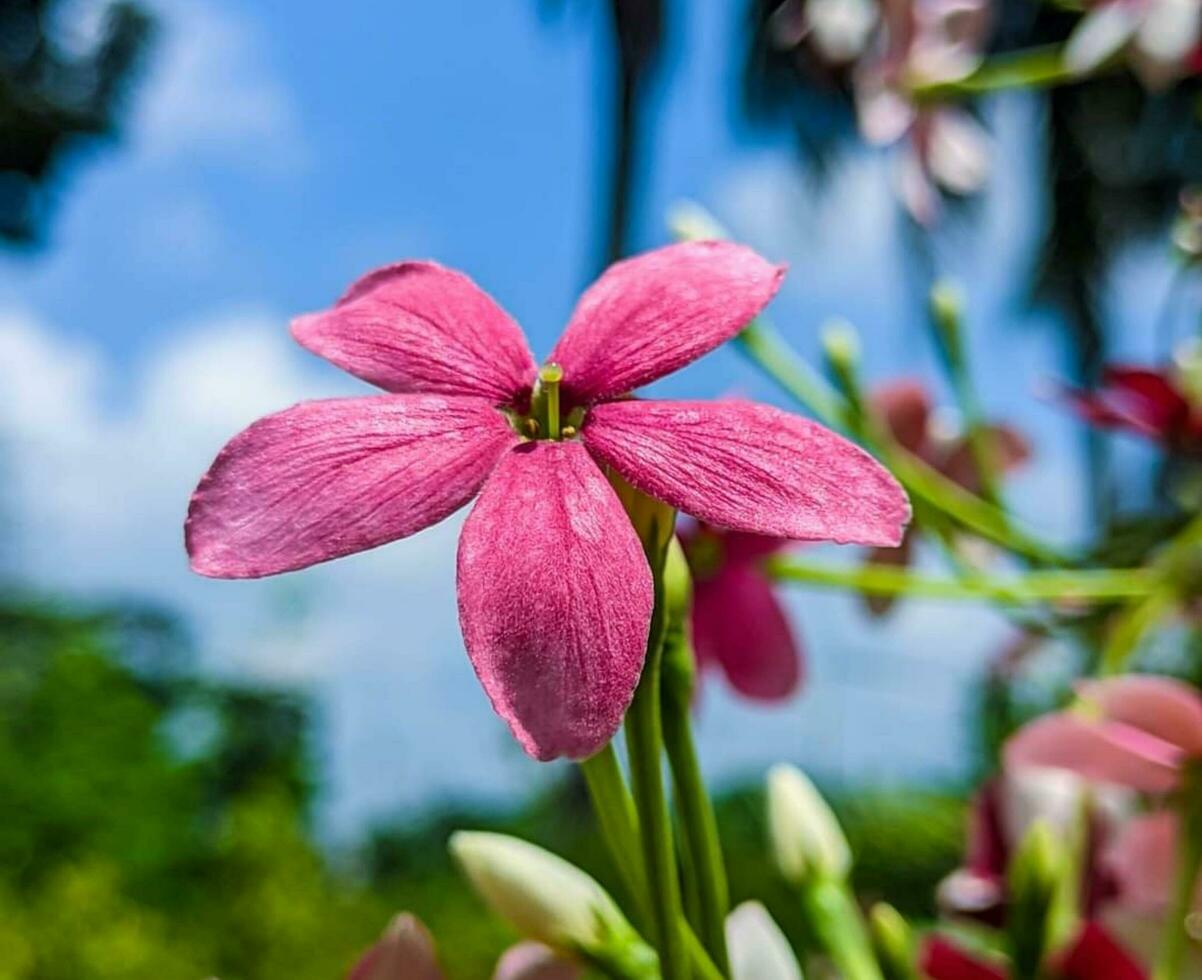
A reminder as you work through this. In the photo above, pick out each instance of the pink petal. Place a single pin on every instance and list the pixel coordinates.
(739, 625)
(1105, 752)
(416, 326)
(651, 315)
(1096, 956)
(534, 961)
(555, 599)
(1166, 708)
(1143, 858)
(751, 468)
(941, 960)
(905, 408)
(404, 952)
(328, 478)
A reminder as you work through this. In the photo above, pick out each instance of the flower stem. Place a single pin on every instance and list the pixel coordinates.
(768, 351)
(693, 803)
(833, 915)
(1038, 67)
(618, 822)
(1174, 944)
(616, 816)
(1088, 585)
(644, 743)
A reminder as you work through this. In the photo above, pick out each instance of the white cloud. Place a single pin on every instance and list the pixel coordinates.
(98, 468)
(211, 91)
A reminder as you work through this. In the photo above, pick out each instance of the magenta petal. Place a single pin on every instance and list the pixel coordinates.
(738, 624)
(1105, 751)
(751, 468)
(1096, 956)
(328, 478)
(1163, 707)
(416, 326)
(942, 960)
(651, 315)
(555, 599)
(1142, 858)
(534, 961)
(404, 952)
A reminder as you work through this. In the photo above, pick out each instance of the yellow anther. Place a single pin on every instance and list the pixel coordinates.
(531, 427)
(568, 431)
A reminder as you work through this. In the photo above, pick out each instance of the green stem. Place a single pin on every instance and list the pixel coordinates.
(644, 742)
(693, 804)
(618, 823)
(765, 348)
(1038, 67)
(1089, 585)
(833, 914)
(1141, 616)
(1175, 942)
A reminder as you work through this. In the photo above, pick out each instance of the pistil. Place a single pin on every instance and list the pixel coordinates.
(549, 377)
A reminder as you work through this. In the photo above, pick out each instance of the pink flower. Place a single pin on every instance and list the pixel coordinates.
(947, 149)
(1093, 955)
(1146, 730)
(555, 594)
(904, 406)
(406, 952)
(1143, 859)
(738, 623)
(1003, 811)
(1145, 402)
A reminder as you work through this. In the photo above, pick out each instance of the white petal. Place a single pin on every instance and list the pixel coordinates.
(1169, 32)
(758, 949)
(840, 28)
(1100, 35)
(958, 152)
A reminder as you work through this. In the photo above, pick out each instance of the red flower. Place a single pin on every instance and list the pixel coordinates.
(738, 623)
(1093, 955)
(1144, 402)
(904, 406)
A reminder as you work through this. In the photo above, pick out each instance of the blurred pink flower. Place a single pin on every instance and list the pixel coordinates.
(1003, 811)
(926, 41)
(406, 952)
(837, 31)
(738, 623)
(555, 594)
(1146, 730)
(1093, 955)
(904, 406)
(1162, 38)
(1145, 402)
(1143, 859)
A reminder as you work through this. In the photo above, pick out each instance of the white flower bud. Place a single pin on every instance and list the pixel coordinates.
(807, 841)
(541, 895)
(758, 949)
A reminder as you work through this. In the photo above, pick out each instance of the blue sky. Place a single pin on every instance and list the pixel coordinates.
(272, 157)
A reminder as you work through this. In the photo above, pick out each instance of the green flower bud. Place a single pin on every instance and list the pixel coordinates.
(947, 313)
(1036, 874)
(893, 942)
(690, 222)
(807, 841)
(654, 521)
(679, 664)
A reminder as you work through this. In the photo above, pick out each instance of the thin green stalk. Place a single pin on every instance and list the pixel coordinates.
(947, 319)
(1090, 585)
(833, 914)
(1142, 615)
(694, 807)
(769, 352)
(644, 742)
(1038, 67)
(618, 823)
(1175, 942)
(619, 829)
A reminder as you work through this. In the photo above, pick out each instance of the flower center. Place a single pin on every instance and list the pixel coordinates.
(546, 419)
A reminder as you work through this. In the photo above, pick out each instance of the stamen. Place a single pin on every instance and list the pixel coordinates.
(549, 376)
(531, 426)
(569, 431)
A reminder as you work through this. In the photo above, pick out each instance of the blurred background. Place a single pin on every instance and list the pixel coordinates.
(247, 778)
